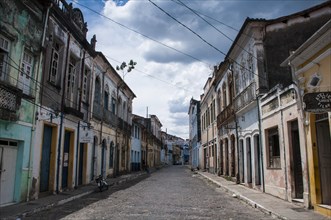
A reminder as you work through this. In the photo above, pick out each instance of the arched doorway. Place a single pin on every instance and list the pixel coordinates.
(221, 158)
(103, 159)
(257, 156)
(249, 160)
(226, 153)
(233, 160)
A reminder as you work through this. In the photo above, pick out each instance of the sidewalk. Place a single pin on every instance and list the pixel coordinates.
(265, 202)
(22, 209)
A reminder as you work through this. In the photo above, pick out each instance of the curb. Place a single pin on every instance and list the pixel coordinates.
(66, 200)
(245, 199)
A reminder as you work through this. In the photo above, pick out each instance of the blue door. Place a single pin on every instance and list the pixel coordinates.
(65, 165)
(45, 159)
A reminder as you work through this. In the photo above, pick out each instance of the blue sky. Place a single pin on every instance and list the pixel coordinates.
(165, 79)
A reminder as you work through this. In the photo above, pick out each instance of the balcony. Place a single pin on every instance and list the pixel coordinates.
(109, 117)
(10, 101)
(227, 113)
(124, 126)
(245, 97)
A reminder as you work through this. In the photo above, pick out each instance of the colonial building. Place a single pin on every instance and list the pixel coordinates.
(194, 132)
(311, 70)
(136, 147)
(284, 141)
(226, 121)
(111, 119)
(208, 127)
(155, 138)
(21, 45)
(65, 112)
(260, 136)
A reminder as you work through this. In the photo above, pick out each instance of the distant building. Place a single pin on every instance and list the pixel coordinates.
(194, 132)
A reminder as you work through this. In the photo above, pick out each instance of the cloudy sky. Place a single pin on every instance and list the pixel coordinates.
(173, 64)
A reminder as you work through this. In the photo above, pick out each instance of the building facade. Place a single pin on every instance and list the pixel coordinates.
(208, 156)
(311, 70)
(21, 55)
(194, 132)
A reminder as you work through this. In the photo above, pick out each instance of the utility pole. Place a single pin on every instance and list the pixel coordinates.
(125, 69)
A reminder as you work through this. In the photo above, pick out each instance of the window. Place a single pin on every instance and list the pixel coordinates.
(106, 98)
(136, 132)
(214, 110)
(237, 82)
(224, 95)
(25, 73)
(54, 69)
(124, 110)
(85, 85)
(273, 148)
(4, 50)
(113, 105)
(71, 81)
(97, 91)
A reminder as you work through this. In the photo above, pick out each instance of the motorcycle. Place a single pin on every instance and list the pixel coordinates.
(101, 183)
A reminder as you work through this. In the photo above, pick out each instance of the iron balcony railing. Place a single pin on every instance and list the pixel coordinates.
(227, 113)
(245, 97)
(110, 118)
(10, 101)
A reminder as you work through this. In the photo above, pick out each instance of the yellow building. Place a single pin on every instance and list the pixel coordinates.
(311, 65)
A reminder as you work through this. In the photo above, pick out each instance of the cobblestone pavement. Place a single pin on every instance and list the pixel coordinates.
(170, 193)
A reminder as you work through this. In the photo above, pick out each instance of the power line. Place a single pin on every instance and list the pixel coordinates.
(204, 40)
(175, 19)
(53, 111)
(154, 77)
(144, 35)
(218, 30)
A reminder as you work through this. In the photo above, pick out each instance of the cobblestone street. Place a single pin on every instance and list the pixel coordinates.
(170, 193)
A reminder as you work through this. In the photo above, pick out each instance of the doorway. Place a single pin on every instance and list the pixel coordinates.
(324, 156)
(296, 160)
(242, 161)
(257, 156)
(8, 155)
(249, 160)
(103, 149)
(81, 159)
(233, 161)
(45, 159)
(226, 153)
(221, 159)
(67, 160)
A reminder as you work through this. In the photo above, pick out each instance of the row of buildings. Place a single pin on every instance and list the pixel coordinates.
(264, 119)
(65, 113)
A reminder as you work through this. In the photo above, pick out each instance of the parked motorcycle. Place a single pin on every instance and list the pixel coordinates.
(101, 183)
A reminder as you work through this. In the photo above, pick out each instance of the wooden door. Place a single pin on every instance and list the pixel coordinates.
(45, 159)
(297, 167)
(324, 151)
(8, 155)
(65, 164)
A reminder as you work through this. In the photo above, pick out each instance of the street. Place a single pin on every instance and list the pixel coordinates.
(170, 193)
